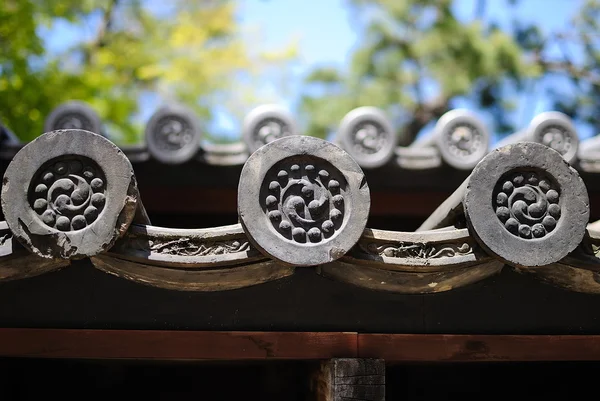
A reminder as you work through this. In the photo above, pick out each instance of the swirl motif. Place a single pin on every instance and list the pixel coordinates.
(557, 138)
(304, 201)
(270, 129)
(172, 133)
(527, 203)
(463, 139)
(68, 194)
(369, 138)
(73, 121)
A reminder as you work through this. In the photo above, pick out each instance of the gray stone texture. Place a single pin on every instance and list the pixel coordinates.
(461, 138)
(173, 134)
(69, 194)
(368, 136)
(266, 123)
(550, 128)
(303, 200)
(73, 115)
(555, 130)
(525, 204)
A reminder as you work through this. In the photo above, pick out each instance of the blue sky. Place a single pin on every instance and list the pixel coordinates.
(326, 36)
(324, 27)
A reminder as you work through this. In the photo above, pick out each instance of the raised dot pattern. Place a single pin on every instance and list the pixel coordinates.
(369, 138)
(172, 133)
(463, 139)
(304, 202)
(270, 129)
(527, 203)
(69, 194)
(557, 138)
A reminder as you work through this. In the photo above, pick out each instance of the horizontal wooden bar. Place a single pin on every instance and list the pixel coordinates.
(191, 345)
(189, 200)
(224, 200)
(478, 348)
(239, 345)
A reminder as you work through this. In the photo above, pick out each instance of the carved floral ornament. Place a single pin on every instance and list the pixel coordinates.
(302, 201)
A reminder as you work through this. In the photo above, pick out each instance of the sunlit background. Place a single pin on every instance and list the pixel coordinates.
(507, 60)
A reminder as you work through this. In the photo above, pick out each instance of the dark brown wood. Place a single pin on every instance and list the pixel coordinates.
(409, 282)
(240, 345)
(170, 345)
(227, 278)
(347, 379)
(190, 200)
(223, 200)
(82, 297)
(478, 348)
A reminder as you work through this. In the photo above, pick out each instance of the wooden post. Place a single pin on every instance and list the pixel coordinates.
(346, 379)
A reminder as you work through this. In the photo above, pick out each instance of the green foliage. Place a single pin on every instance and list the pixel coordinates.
(186, 51)
(416, 57)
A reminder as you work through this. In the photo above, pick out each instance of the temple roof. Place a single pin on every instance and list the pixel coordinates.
(301, 202)
(174, 162)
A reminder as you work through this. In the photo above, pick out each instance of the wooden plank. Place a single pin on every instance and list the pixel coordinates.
(240, 345)
(82, 297)
(189, 200)
(344, 379)
(478, 348)
(193, 345)
(224, 200)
